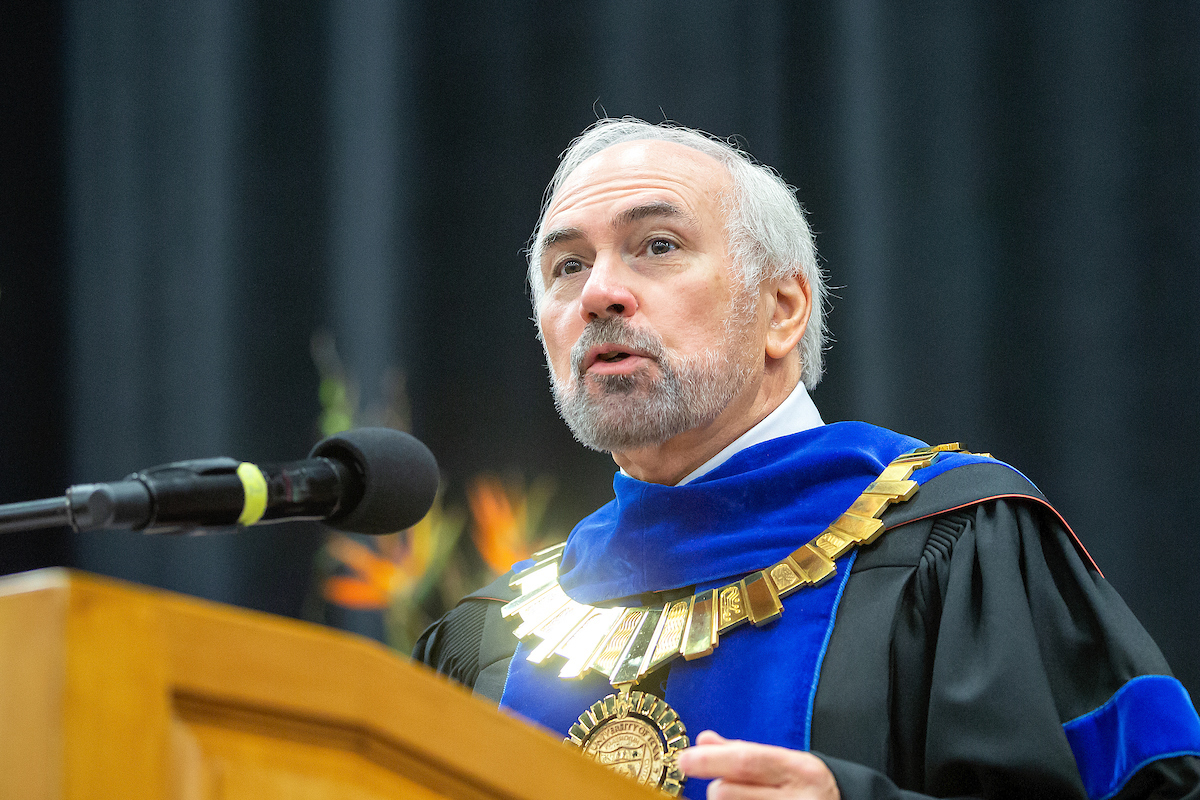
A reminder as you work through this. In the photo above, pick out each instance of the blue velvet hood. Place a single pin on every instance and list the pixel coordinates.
(748, 513)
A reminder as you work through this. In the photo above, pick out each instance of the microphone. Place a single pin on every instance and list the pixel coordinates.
(367, 480)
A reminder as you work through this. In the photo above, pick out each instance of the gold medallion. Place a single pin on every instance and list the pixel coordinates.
(635, 734)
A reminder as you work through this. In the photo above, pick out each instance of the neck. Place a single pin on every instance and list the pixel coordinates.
(674, 459)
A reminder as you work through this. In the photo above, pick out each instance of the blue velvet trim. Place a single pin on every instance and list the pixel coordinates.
(751, 511)
(816, 679)
(1149, 718)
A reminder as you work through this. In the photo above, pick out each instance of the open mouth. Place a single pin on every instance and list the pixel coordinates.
(611, 347)
(611, 359)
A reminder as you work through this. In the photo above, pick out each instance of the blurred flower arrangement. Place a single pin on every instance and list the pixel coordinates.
(411, 577)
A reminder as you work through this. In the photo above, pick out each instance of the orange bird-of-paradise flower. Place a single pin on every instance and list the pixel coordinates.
(502, 530)
(396, 568)
(372, 580)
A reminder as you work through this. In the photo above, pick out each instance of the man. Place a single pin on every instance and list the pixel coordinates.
(965, 645)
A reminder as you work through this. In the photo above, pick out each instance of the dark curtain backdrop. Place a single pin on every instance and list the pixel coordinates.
(1006, 198)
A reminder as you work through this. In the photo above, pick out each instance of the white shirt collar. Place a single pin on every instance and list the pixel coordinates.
(795, 414)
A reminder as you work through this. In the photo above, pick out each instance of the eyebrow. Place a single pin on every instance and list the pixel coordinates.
(659, 208)
(561, 235)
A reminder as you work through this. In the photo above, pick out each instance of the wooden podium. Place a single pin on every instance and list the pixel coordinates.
(109, 690)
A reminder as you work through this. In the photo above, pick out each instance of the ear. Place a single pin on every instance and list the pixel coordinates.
(790, 299)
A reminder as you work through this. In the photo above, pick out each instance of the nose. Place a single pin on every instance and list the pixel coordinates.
(607, 291)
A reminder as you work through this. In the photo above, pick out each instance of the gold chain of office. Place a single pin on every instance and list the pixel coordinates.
(637, 733)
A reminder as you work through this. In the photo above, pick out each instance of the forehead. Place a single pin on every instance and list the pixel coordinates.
(637, 172)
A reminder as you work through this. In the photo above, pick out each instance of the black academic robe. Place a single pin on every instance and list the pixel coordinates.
(968, 634)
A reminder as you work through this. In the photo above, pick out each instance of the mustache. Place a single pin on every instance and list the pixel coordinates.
(614, 331)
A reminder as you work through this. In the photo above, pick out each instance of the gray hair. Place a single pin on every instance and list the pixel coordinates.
(769, 237)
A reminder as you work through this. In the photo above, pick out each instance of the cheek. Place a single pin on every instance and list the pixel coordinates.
(696, 318)
(558, 336)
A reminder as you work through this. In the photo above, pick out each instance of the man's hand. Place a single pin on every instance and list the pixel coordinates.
(756, 771)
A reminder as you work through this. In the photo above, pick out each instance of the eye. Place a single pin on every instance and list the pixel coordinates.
(568, 266)
(660, 247)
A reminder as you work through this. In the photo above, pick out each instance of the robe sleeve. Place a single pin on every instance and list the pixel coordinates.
(472, 643)
(1017, 671)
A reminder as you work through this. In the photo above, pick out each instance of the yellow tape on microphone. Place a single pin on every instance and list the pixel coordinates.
(254, 490)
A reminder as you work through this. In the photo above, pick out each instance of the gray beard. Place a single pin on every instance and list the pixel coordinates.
(624, 412)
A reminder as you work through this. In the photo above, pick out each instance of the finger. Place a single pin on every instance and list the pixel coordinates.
(724, 790)
(741, 762)
(710, 737)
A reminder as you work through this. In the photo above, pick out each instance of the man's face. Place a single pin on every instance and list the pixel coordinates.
(647, 329)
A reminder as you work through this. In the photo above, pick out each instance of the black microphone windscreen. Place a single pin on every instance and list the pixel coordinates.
(399, 479)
